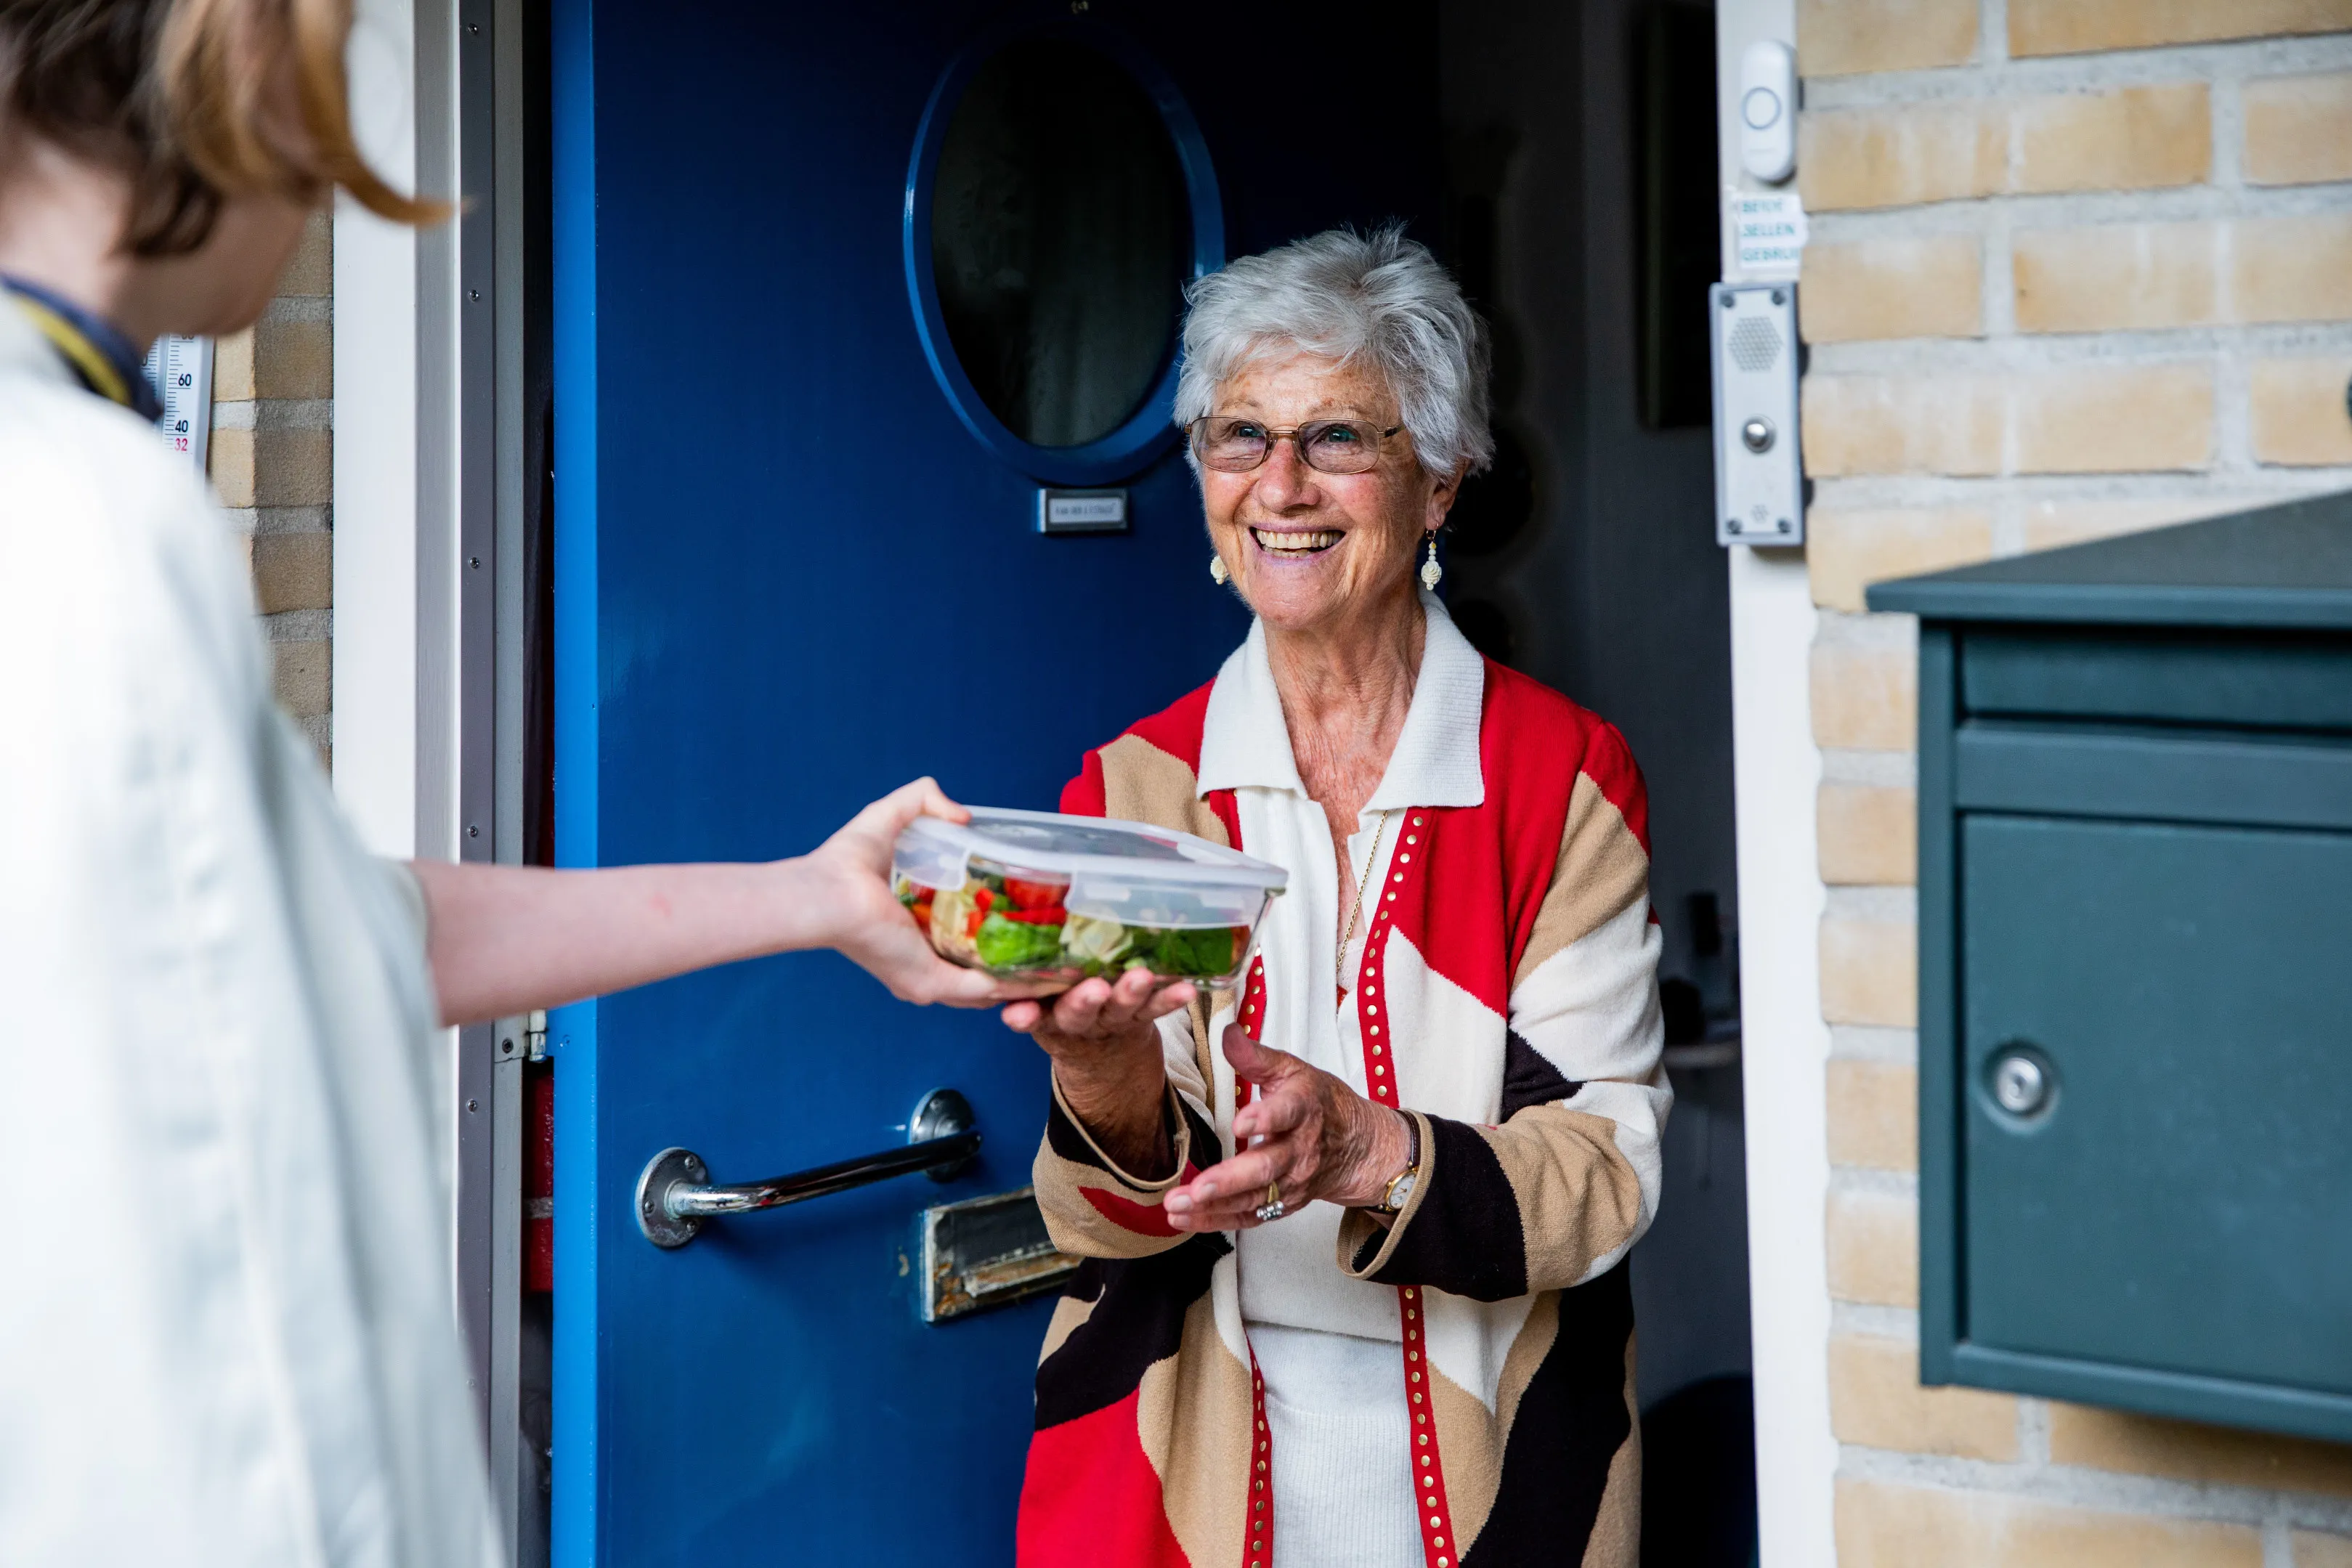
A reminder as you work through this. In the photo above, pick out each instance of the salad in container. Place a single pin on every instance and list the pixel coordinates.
(1030, 896)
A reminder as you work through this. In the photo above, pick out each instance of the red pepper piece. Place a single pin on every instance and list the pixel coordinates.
(1053, 916)
(1035, 894)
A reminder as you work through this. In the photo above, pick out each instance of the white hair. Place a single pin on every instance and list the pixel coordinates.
(1340, 294)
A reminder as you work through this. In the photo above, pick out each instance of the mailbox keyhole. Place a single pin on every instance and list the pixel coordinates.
(2021, 1081)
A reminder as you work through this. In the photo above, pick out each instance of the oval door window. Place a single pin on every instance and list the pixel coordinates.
(1060, 202)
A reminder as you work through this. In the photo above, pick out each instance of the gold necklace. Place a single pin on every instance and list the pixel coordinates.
(1339, 959)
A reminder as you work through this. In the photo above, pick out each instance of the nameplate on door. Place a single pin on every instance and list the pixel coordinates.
(988, 1252)
(1082, 511)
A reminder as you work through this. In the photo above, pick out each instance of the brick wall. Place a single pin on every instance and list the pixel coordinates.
(2079, 267)
(272, 428)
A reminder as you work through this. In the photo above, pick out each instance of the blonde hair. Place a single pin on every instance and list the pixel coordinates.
(180, 95)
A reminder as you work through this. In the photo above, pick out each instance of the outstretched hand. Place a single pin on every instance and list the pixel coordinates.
(1306, 1132)
(873, 929)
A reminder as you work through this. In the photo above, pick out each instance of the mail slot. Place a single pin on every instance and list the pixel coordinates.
(2136, 971)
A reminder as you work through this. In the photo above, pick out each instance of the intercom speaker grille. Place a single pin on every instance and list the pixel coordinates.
(1755, 345)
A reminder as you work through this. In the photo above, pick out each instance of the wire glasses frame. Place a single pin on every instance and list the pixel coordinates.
(1233, 445)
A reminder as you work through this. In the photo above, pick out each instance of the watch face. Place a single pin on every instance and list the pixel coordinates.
(1402, 1193)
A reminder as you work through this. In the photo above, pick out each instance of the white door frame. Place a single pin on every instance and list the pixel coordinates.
(1784, 1043)
(428, 655)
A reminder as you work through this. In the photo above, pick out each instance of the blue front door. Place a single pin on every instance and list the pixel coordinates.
(800, 444)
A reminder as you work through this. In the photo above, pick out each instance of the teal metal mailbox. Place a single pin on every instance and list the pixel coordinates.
(2136, 971)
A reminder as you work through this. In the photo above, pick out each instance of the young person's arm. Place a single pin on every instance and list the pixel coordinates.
(507, 940)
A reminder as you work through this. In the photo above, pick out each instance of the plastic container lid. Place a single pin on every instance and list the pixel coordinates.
(1128, 872)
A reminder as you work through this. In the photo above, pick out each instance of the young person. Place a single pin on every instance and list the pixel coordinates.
(226, 1333)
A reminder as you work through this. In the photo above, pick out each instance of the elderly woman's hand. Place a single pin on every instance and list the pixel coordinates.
(1306, 1132)
(1104, 1038)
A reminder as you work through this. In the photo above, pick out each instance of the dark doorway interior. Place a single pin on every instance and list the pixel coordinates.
(1581, 202)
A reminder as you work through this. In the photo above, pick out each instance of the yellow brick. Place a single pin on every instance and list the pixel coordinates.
(1868, 834)
(2124, 139)
(2132, 139)
(2104, 420)
(294, 571)
(2074, 26)
(2144, 1446)
(230, 460)
(2081, 420)
(1845, 552)
(1874, 1248)
(1876, 1400)
(1870, 972)
(2116, 277)
(1874, 1119)
(2298, 130)
(2313, 1549)
(1930, 288)
(2050, 524)
(313, 270)
(293, 359)
(292, 469)
(2299, 411)
(1898, 155)
(1902, 424)
(301, 670)
(233, 367)
(1865, 699)
(1885, 1524)
(2292, 270)
(1839, 37)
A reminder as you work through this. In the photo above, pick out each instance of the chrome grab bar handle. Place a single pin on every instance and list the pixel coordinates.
(675, 1194)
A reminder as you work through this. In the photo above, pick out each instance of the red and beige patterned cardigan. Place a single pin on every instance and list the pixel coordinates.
(1516, 956)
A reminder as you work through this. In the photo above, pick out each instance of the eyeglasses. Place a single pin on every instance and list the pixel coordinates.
(1328, 445)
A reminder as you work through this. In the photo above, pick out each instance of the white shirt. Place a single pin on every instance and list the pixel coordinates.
(1328, 1346)
(226, 1335)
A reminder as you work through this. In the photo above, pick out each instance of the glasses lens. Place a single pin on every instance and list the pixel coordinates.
(1340, 445)
(1236, 446)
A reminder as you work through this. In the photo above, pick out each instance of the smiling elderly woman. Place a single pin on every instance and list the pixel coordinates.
(1355, 1292)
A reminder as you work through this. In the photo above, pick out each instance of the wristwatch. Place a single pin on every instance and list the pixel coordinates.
(1401, 1186)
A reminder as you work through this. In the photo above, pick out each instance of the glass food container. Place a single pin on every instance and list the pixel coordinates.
(1034, 896)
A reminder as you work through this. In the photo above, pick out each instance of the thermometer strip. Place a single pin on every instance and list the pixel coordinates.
(181, 371)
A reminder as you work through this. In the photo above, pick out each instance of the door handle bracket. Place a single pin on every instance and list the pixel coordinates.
(675, 1194)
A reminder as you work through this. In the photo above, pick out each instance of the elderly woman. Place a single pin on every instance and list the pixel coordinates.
(1354, 1291)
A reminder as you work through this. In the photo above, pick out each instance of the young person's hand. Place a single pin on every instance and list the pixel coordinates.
(864, 919)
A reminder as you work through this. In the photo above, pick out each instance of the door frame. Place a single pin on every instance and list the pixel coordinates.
(1784, 1042)
(428, 655)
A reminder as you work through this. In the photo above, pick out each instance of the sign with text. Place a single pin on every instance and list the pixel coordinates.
(1767, 229)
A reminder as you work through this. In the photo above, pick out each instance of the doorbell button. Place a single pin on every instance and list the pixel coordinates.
(1767, 102)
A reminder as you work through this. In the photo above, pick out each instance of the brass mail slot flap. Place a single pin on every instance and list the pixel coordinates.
(988, 1252)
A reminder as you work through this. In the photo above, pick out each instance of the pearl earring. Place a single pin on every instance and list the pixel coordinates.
(1430, 572)
(1217, 573)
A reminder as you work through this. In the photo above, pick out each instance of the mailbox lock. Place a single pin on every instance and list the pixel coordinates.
(2021, 1084)
(1757, 433)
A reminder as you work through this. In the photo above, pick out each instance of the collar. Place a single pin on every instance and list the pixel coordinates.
(1245, 745)
(101, 357)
